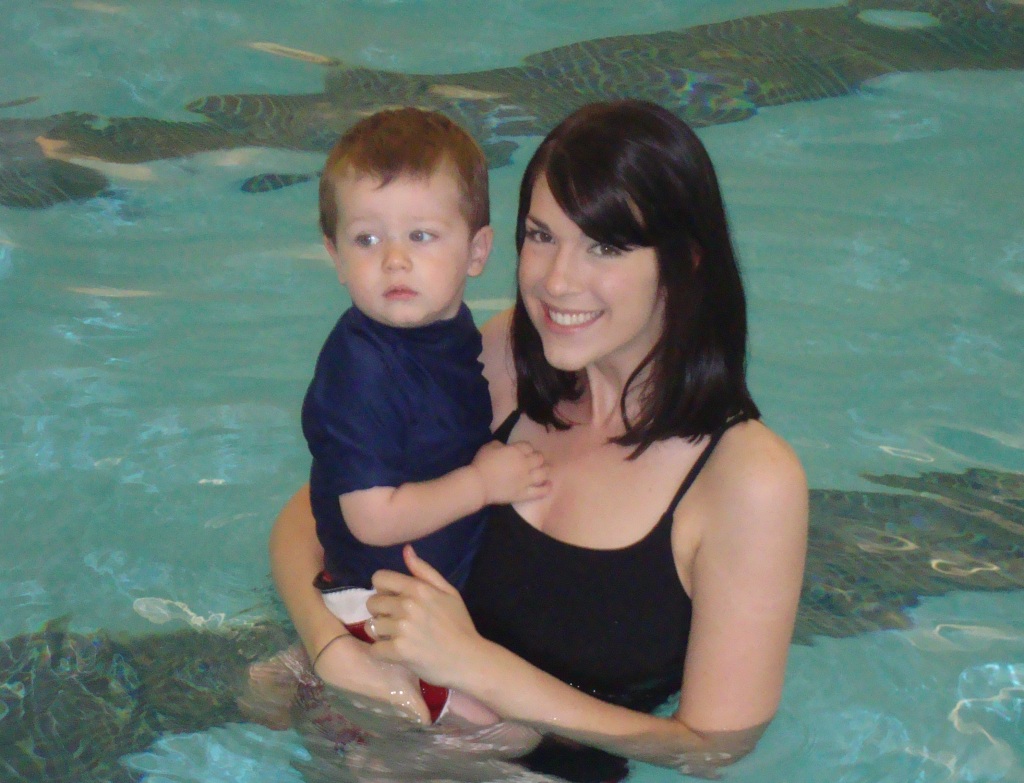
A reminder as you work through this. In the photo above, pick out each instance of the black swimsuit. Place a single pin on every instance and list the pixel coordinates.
(586, 615)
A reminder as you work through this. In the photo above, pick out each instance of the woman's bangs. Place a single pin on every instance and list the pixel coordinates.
(596, 200)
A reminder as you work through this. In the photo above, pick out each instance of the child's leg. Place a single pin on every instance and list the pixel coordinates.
(470, 710)
(349, 606)
(269, 692)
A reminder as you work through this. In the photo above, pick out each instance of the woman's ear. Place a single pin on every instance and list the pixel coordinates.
(480, 250)
(332, 251)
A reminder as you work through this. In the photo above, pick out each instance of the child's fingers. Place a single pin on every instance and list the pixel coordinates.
(524, 446)
(532, 462)
(539, 490)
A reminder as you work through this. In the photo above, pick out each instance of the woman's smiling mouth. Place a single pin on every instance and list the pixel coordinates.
(569, 318)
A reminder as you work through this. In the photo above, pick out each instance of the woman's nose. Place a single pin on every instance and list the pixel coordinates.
(561, 277)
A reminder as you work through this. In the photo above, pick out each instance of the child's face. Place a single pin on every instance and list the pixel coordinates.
(404, 250)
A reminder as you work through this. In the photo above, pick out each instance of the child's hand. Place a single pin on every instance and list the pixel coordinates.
(511, 473)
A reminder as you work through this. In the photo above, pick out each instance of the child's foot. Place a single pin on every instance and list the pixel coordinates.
(268, 694)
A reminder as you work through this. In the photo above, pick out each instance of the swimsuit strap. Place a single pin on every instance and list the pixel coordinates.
(705, 455)
(504, 430)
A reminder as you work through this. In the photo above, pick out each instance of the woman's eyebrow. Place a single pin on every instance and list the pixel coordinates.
(539, 223)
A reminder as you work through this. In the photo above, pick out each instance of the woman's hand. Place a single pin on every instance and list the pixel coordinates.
(421, 621)
(384, 689)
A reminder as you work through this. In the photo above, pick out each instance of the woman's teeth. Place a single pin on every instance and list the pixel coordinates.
(572, 319)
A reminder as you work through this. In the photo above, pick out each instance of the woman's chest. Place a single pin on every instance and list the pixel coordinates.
(599, 498)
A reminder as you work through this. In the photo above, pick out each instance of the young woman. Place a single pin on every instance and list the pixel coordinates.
(668, 555)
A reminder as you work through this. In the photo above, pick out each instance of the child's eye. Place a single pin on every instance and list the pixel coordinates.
(365, 240)
(536, 235)
(421, 236)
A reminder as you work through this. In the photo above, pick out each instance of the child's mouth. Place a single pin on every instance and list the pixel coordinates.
(399, 293)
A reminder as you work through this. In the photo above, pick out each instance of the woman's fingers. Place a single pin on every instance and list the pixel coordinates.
(397, 594)
(382, 608)
(419, 620)
(421, 569)
(370, 626)
(389, 583)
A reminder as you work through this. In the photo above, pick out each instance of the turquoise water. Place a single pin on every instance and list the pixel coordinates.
(155, 344)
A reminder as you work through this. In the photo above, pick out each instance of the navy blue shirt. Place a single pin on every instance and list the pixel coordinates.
(388, 406)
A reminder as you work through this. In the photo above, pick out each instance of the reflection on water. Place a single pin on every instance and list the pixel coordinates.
(162, 610)
(991, 707)
(920, 705)
(949, 637)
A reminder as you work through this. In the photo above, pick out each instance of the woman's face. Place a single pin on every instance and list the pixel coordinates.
(592, 304)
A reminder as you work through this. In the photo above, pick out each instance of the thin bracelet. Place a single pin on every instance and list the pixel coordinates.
(324, 648)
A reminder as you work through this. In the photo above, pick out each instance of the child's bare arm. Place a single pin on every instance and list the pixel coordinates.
(499, 473)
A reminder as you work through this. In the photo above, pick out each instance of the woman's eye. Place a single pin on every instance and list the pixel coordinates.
(421, 236)
(536, 235)
(365, 240)
(602, 249)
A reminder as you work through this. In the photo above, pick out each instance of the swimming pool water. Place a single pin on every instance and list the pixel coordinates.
(155, 343)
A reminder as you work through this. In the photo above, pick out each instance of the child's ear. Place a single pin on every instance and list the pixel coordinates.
(480, 250)
(332, 251)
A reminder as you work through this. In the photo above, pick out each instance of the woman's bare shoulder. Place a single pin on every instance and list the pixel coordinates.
(754, 443)
(499, 369)
(758, 478)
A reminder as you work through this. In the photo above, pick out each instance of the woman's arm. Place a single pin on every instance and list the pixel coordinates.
(296, 557)
(498, 367)
(423, 623)
(745, 580)
(745, 587)
(343, 661)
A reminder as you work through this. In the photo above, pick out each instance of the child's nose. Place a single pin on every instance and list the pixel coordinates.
(396, 256)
